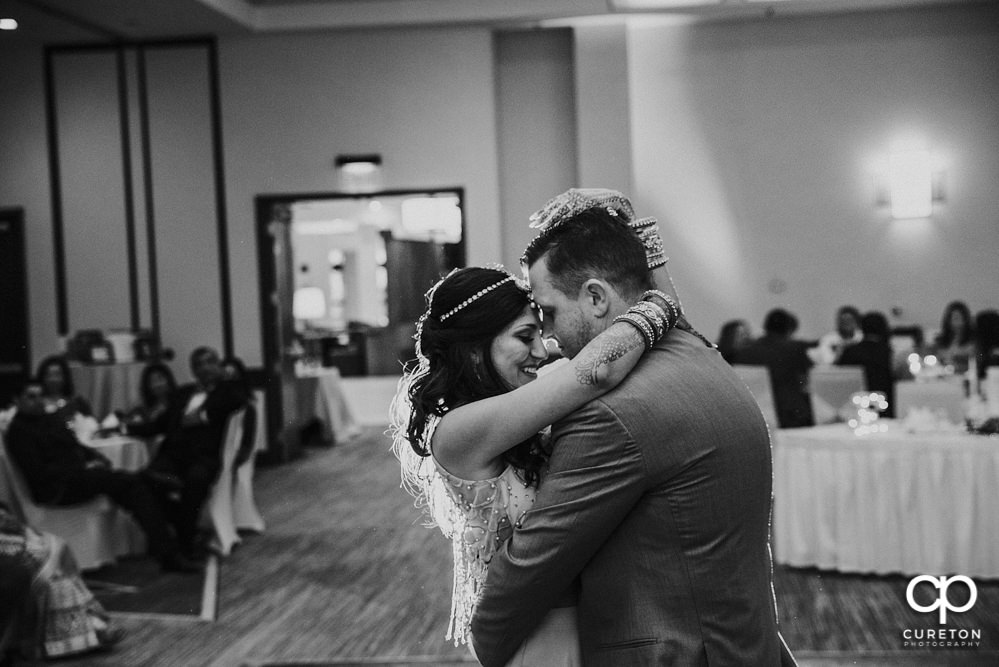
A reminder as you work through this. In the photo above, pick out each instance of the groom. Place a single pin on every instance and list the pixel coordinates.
(658, 494)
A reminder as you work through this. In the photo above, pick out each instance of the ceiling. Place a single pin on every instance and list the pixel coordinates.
(61, 21)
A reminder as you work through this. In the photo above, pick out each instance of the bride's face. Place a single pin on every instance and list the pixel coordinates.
(518, 349)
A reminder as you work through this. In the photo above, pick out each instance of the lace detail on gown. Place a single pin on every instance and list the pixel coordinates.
(477, 516)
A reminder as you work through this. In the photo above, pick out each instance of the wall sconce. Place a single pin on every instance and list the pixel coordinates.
(910, 184)
(309, 303)
(359, 173)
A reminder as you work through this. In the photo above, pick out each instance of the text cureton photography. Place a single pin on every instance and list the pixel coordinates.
(934, 596)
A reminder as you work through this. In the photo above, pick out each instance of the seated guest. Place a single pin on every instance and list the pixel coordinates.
(734, 335)
(788, 363)
(156, 387)
(60, 394)
(55, 615)
(987, 334)
(194, 428)
(955, 343)
(59, 470)
(832, 344)
(874, 354)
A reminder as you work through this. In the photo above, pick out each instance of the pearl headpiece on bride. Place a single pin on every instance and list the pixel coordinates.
(482, 292)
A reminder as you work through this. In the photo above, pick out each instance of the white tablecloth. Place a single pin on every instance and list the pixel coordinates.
(884, 503)
(125, 453)
(108, 387)
(320, 395)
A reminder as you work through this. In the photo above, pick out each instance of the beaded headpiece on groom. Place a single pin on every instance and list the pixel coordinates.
(574, 201)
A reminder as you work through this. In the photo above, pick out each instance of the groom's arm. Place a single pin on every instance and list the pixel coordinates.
(594, 480)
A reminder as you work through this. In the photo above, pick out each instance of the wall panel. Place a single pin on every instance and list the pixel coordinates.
(180, 132)
(90, 154)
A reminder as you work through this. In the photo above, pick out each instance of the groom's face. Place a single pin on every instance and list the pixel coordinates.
(563, 316)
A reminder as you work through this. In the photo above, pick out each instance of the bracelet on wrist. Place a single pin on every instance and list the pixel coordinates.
(640, 323)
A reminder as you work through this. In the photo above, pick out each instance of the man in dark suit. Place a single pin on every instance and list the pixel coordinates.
(60, 470)
(789, 365)
(657, 497)
(194, 426)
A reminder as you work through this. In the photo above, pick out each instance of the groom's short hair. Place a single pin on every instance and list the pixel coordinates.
(592, 244)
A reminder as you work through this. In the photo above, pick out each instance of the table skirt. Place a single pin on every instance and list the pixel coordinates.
(888, 502)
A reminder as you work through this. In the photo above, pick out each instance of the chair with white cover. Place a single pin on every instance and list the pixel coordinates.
(95, 531)
(246, 516)
(757, 379)
(217, 514)
(831, 389)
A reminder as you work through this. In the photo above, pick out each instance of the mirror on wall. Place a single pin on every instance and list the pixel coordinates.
(347, 274)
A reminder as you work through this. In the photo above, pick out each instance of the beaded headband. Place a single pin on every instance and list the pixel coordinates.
(482, 292)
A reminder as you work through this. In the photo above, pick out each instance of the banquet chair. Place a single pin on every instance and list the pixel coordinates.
(218, 515)
(92, 529)
(246, 516)
(831, 389)
(757, 379)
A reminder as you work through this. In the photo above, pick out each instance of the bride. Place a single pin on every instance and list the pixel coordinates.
(468, 417)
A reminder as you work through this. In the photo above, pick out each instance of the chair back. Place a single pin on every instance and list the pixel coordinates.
(757, 379)
(831, 389)
(92, 529)
(218, 511)
(246, 516)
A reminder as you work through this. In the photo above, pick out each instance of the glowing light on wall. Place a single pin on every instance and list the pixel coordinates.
(910, 184)
(909, 180)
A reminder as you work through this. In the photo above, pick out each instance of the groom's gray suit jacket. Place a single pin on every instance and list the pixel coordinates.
(658, 499)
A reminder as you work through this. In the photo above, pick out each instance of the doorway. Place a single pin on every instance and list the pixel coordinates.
(342, 283)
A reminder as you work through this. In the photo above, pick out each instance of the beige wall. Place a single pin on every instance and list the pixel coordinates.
(753, 142)
(750, 141)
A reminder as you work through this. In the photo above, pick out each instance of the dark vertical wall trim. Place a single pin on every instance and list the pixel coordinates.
(126, 167)
(147, 181)
(220, 203)
(58, 244)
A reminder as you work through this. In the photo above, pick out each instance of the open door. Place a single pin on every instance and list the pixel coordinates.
(343, 278)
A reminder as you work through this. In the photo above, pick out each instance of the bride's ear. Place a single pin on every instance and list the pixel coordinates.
(597, 297)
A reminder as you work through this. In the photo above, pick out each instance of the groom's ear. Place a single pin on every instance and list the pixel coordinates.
(597, 297)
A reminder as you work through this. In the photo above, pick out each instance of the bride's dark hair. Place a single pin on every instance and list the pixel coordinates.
(454, 365)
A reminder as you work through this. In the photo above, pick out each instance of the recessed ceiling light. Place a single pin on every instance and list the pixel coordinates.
(8, 24)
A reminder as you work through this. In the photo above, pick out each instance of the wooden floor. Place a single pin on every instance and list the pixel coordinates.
(345, 574)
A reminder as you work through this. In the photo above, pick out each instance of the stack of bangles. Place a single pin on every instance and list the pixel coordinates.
(648, 232)
(652, 320)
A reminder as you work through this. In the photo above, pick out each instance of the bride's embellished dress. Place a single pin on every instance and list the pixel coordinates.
(478, 516)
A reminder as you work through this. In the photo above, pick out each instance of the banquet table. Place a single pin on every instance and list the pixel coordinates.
(108, 387)
(320, 395)
(887, 502)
